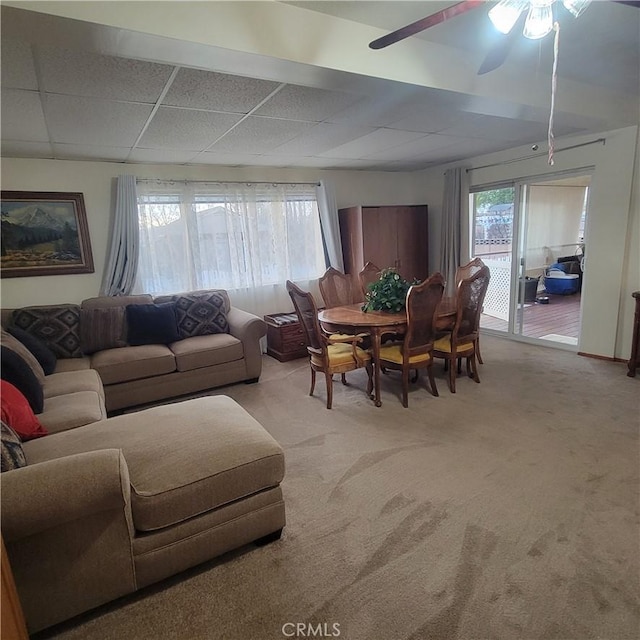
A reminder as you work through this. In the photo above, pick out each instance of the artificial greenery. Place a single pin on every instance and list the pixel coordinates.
(388, 293)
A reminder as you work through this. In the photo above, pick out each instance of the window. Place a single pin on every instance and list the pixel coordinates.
(230, 236)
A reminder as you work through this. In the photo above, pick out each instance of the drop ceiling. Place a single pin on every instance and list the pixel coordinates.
(65, 97)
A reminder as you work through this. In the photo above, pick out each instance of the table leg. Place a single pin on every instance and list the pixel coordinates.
(376, 335)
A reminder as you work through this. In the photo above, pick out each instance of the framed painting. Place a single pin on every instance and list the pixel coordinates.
(44, 234)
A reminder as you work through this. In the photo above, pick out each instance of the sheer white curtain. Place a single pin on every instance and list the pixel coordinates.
(122, 266)
(454, 210)
(246, 238)
(328, 209)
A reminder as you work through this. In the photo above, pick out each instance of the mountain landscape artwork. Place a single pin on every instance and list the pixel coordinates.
(44, 233)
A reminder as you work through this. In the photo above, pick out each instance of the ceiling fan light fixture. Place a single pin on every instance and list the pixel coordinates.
(539, 20)
(576, 7)
(506, 13)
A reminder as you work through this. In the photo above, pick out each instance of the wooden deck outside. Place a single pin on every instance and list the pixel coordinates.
(561, 317)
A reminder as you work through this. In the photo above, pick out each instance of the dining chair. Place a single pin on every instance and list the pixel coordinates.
(462, 273)
(328, 353)
(370, 273)
(336, 289)
(461, 342)
(416, 350)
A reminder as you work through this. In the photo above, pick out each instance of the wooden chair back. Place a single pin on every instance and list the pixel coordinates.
(467, 270)
(370, 273)
(469, 300)
(422, 302)
(307, 312)
(336, 289)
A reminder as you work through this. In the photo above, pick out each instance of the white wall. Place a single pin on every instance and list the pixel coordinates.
(96, 180)
(613, 225)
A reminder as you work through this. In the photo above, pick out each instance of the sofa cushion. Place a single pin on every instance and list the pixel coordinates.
(73, 364)
(15, 370)
(72, 410)
(58, 326)
(60, 384)
(46, 358)
(106, 302)
(11, 342)
(206, 351)
(214, 453)
(151, 324)
(200, 314)
(131, 363)
(199, 292)
(16, 412)
(12, 452)
(102, 329)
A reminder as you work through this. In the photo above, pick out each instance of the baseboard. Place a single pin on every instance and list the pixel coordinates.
(597, 357)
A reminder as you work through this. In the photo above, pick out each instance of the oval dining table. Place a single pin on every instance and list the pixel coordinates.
(351, 318)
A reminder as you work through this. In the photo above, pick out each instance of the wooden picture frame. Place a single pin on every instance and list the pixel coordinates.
(44, 234)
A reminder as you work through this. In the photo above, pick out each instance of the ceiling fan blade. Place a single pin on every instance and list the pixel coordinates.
(631, 3)
(425, 23)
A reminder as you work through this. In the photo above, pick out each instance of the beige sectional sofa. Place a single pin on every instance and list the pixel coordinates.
(134, 375)
(104, 509)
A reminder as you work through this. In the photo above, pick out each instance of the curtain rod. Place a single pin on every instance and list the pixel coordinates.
(537, 155)
(183, 181)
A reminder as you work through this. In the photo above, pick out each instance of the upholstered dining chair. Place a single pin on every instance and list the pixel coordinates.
(329, 354)
(370, 273)
(336, 289)
(462, 273)
(461, 342)
(416, 350)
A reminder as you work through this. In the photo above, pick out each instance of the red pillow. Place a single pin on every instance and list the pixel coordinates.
(17, 413)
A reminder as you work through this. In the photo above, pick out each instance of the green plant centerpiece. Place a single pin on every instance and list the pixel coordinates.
(388, 293)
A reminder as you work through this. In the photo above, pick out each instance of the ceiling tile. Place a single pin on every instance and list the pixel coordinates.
(26, 149)
(217, 91)
(89, 152)
(173, 128)
(172, 156)
(75, 120)
(22, 116)
(100, 76)
(414, 148)
(379, 140)
(228, 159)
(18, 70)
(492, 127)
(259, 135)
(427, 120)
(321, 137)
(306, 103)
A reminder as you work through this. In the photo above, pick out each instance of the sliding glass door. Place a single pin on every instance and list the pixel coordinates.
(532, 236)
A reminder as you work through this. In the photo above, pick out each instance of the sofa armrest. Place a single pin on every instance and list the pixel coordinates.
(47, 494)
(248, 328)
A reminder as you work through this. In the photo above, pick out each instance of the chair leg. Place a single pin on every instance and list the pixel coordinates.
(452, 377)
(459, 366)
(344, 379)
(313, 381)
(416, 375)
(474, 368)
(432, 382)
(329, 379)
(369, 368)
(477, 347)
(405, 388)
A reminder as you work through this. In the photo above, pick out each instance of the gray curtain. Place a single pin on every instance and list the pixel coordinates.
(454, 207)
(330, 225)
(122, 265)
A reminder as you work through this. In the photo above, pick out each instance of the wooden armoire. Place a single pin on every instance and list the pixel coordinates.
(389, 236)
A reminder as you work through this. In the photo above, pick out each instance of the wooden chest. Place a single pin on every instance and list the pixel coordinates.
(285, 337)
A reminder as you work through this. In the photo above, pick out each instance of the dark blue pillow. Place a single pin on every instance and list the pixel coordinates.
(39, 349)
(16, 371)
(152, 324)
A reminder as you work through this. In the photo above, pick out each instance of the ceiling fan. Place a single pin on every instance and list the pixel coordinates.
(504, 15)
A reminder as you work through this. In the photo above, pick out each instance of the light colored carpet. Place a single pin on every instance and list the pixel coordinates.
(506, 511)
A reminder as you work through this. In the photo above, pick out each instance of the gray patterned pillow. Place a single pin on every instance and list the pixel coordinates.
(201, 314)
(12, 453)
(58, 326)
